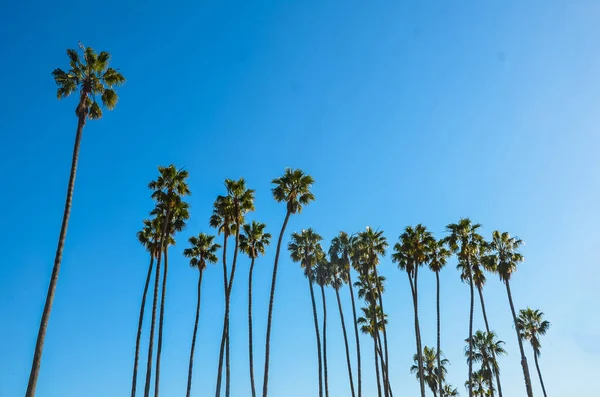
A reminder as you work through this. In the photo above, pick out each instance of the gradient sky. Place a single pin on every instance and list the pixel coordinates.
(403, 111)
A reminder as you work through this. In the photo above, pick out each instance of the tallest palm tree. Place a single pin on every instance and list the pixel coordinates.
(90, 76)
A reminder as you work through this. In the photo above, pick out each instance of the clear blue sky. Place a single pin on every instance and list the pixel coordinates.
(404, 112)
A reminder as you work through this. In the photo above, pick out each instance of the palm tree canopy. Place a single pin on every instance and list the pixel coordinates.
(366, 289)
(438, 255)
(368, 246)
(170, 186)
(480, 384)
(372, 320)
(253, 239)
(485, 347)
(505, 256)
(430, 369)
(340, 252)
(531, 326)
(293, 188)
(92, 76)
(223, 216)
(464, 240)
(202, 250)
(449, 391)
(323, 271)
(413, 248)
(305, 247)
(241, 198)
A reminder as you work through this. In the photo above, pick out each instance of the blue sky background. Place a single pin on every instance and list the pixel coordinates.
(404, 112)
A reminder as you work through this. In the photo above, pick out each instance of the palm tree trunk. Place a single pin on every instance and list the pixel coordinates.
(271, 302)
(163, 234)
(376, 366)
(39, 344)
(381, 360)
(439, 360)
(225, 285)
(160, 322)
(487, 328)
(314, 307)
(227, 309)
(471, 336)
(189, 382)
(383, 328)
(522, 351)
(250, 353)
(139, 330)
(325, 341)
(356, 335)
(413, 288)
(537, 366)
(339, 302)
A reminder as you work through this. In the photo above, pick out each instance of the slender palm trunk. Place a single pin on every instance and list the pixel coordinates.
(250, 353)
(381, 360)
(325, 341)
(339, 302)
(384, 368)
(155, 304)
(471, 335)
(487, 328)
(39, 344)
(413, 288)
(189, 382)
(139, 330)
(271, 302)
(356, 335)
(439, 337)
(537, 366)
(522, 351)
(225, 284)
(160, 322)
(376, 366)
(320, 358)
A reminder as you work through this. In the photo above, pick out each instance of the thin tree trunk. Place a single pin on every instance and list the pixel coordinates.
(271, 302)
(471, 335)
(225, 285)
(139, 330)
(537, 366)
(350, 377)
(383, 366)
(487, 328)
(163, 234)
(189, 382)
(160, 322)
(439, 336)
(314, 307)
(522, 351)
(325, 341)
(376, 366)
(356, 335)
(413, 288)
(39, 344)
(227, 310)
(384, 329)
(381, 360)
(250, 353)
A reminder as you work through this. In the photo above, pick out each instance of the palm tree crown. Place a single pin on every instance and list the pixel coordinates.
(294, 189)
(531, 326)
(505, 256)
(202, 251)
(253, 239)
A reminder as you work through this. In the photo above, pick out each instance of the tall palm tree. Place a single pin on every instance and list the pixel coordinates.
(465, 240)
(149, 237)
(202, 251)
(340, 274)
(253, 242)
(91, 76)
(292, 188)
(306, 248)
(410, 252)
(323, 278)
(431, 372)
(505, 258)
(371, 244)
(478, 384)
(485, 349)
(438, 257)
(449, 391)
(372, 322)
(241, 201)
(168, 192)
(481, 262)
(531, 326)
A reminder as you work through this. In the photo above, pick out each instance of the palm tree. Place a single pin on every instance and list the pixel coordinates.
(293, 188)
(306, 248)
(478, 384)
(427, 365)
(340, 274)
(323, 278)
(372, 322)
(241, 201)
(91, 76)
(253, 242)
(531, 326)
(410, 252)
(438, 256)
(505, 258)
(465, 240)
(148, 237)
(202, 251)
(485, 349)
(168, 191)
(370, 245)
(449, 391)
